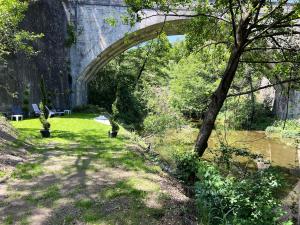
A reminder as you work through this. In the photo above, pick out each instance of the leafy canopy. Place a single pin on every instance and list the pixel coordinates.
(14, 39)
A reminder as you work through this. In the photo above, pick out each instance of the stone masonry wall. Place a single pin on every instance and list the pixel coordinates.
(47, 17)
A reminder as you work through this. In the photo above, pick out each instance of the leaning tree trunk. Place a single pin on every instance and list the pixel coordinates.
(217, 100)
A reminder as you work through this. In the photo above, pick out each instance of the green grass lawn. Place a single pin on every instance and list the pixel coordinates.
(76, 128)
(80, 176)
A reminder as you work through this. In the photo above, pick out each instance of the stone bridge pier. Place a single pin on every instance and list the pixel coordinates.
(97, 42)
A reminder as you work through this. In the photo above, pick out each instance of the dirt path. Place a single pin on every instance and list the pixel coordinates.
(65, 188)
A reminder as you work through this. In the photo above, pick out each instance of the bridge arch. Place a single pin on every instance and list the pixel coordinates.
(98, 42)
(148, 33)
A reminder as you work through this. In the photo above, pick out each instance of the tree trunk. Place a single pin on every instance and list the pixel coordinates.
(252, 99)
(217, 100)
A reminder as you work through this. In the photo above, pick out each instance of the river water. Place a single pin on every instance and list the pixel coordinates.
(273, 149)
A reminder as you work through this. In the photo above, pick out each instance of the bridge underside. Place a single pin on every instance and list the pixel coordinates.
(172, 27)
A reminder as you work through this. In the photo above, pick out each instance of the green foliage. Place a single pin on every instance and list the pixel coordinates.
(71, 38)
(25, 106)
(89, 109)
(44, 112)
(114, 126)
(122, 87)
(111, 21)
(102, 90)
(27, 171)
(194, 79)
(159, 123)
(13, 39)
(239, 28)
(126, 107)
(187, 164)
(45, 99)
(232, 200)
(289, 124)
(241, 113)
(228, 192)
(43, 118)
(288, 129)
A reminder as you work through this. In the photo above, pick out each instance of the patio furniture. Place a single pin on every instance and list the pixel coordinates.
(67, 111)
(17, 117)
(36, 110)
(17, 113)
(53, 112)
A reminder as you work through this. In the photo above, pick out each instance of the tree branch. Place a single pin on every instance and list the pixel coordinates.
(214, 43)
(264, 87)
(291, 32)
(270, 48)
(270, 13)
(271, 26)
(233, 24)
(275, 62)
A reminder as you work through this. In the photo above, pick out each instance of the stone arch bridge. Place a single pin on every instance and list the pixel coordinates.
(97, 42)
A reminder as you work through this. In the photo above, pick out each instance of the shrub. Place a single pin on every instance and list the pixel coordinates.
(25, 105)
(239, 115)
(290, 133)
(291, 130)
(71, 38)
(89, 109)
(114, 126)
(225, 156)
(44, 114)
(43, 118)
(187, 166)
(159, 123)
(127, 108)
(224, 199)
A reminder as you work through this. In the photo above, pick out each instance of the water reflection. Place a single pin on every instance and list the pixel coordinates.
(273, 149)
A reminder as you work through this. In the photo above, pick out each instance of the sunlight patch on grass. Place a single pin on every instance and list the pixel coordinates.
(64, 130)
(27, 171)
(133, 187)
(24, 221)
(8, 220)
(84, 203)
(127, 160)
(44, 197)
(122, 188)
(51, 193)
(143, 184)
(89, 150)
(2, 173)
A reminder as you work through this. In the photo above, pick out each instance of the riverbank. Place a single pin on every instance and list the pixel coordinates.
(272, 148)
(288, 131)
(283, 158)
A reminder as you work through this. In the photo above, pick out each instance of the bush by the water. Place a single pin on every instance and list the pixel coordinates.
(231, 196)
(159, 123)
(243, 114)
(225, 199)
(187, 164)
(290, 130)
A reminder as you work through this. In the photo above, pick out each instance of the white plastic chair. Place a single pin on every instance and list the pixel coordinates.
(36, 109)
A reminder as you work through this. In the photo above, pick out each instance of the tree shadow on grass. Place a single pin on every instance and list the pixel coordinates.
(84, 177)
(77, 196)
